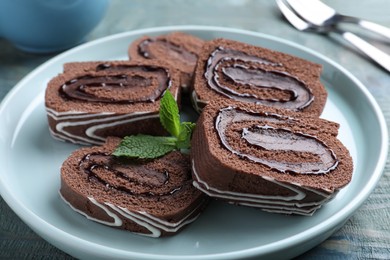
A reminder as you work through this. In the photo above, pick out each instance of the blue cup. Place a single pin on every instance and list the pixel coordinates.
(44, 26)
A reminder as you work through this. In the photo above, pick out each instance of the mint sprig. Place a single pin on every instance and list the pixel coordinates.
(169, 114)
(184, 137)
(149, 147)
(145, 146)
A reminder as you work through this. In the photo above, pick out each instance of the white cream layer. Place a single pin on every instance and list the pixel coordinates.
(196, 102)
(98, 122)
(282, 204)
(153, 224)
(116, 220)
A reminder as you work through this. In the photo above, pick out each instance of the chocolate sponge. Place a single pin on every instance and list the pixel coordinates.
(179, 49)
(274, 159)
(92, 100)
(236, 71)
(150, 197)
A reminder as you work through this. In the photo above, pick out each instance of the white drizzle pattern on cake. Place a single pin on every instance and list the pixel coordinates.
(98, 120)
(142, 218)
(287, 205)
(152, 223)
(117, 222)
(197, 103)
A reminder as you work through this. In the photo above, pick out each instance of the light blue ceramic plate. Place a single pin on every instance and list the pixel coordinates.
(30, 162)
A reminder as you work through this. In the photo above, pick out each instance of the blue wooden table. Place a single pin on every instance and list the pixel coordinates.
(366, 235)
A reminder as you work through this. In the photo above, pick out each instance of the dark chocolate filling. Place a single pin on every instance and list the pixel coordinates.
(145, 49)
(260, 131)
(128, 176)
(247, 78)
(127, 84)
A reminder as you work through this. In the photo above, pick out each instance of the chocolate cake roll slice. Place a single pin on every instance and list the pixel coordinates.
(92, 100)
(153, 198)
(273, 159)
(241, 72)
(179, 49)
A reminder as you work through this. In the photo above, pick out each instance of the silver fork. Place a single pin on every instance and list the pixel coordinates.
(378, 56)
(320, 14)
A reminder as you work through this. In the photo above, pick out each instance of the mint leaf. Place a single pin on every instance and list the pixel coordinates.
(149, 147)
(184, 138)
(145, 146)
(169, 114)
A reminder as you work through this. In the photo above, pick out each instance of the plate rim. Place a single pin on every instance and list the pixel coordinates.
(60, 236)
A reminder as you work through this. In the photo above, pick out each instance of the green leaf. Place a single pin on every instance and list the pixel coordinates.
(149, 147)
(169, 114)
(184, 138)
(145, 146)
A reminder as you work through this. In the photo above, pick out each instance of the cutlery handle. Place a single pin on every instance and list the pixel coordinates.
(373, 27)
(380, 57)
(379, 29)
